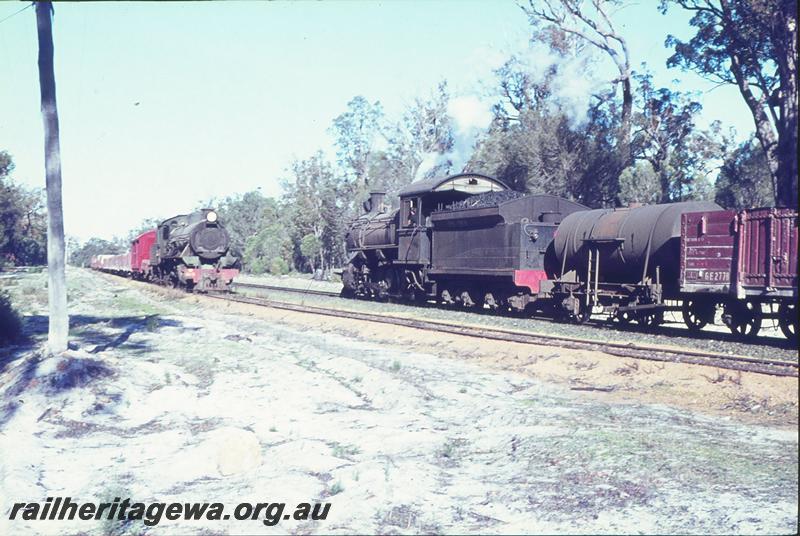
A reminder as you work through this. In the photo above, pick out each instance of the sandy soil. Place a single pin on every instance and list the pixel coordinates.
(191, 400)
(744, 396)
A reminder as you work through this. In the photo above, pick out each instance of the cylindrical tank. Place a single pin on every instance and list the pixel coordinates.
(373, 229)
(629, 241)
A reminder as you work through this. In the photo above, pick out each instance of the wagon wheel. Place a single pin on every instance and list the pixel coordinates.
(743, 318)
(624, 317)
(787, 319)
(650, 320)
(583, 315)
(697, 313)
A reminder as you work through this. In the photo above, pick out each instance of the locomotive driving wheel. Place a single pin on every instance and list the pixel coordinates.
(743, 318)
(787, 319)
(697, 314)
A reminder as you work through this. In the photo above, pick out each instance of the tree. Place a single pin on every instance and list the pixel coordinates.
(751, 44)
(57, 286)
(419, 142)
(244, 215)
(591, 22)
(318, 203)
(269, 249)
(310, 247)
(540, 141)
(23, 222)
(640, 183)
(744, 180)
(665, 126)
(356, 131)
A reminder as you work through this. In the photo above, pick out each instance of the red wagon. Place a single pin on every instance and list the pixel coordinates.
(141, 249)
(745, 261)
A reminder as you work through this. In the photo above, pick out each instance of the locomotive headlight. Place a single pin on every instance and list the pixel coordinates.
(211, 217)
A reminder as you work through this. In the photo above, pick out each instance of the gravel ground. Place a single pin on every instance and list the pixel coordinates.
(773, 344)
(165, 401)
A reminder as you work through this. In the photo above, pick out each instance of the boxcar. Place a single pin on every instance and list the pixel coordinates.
(745, 261)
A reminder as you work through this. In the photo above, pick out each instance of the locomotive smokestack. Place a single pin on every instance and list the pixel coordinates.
(376, 201)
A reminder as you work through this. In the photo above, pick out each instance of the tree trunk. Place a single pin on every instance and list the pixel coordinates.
(786, 34)
(57, 288)
(624, 155)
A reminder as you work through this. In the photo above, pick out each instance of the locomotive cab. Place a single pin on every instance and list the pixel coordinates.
(390, 250)
(420, 199)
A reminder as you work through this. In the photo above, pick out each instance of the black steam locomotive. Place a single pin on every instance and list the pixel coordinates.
(190, 251)
(466, 239)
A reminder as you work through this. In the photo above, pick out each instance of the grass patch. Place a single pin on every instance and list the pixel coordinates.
(337, 488)
(345, 451)
(396, 366)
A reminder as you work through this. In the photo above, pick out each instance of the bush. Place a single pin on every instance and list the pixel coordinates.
(279, 266)
(10, 323)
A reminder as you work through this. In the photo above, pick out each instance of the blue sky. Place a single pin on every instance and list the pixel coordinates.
(166, 104)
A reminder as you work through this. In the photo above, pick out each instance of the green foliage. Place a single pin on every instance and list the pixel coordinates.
(23, 221)
(10, 322)
(320, 202)
(259, 231)
(639, 184)
(751, 44)
(309, 245)
(268, 250)
(744, 180)
(356, 131)
(666, 136)
(279, 266)
(244, 215)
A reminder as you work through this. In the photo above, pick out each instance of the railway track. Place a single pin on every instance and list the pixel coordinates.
(774, 367)
(313, 292)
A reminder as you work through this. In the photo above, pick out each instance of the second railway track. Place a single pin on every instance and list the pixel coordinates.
(774, 367)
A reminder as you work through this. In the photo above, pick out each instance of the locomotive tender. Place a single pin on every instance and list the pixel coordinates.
(190, 251)
(468, 240)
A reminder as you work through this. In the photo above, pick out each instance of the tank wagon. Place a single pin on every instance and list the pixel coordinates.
(190, 251)
(624, 260)
(468, 240)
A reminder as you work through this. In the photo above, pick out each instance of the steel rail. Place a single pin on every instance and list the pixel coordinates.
(315, 292)
(774, 367)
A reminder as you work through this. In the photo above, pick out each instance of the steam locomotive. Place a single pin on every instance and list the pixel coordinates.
(189, 251)
(468, 240)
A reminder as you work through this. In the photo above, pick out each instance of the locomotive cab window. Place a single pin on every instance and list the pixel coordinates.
(165, 232)
(411, 211)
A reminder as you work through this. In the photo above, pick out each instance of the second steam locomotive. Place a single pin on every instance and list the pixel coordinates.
(469, 240)
(189, 251)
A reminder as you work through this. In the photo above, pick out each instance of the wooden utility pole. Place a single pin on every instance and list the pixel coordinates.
(57, 285)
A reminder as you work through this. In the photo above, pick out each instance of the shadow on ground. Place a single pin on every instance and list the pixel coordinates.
(95, 334)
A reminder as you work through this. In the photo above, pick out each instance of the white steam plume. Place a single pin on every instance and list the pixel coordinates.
(469, 116)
